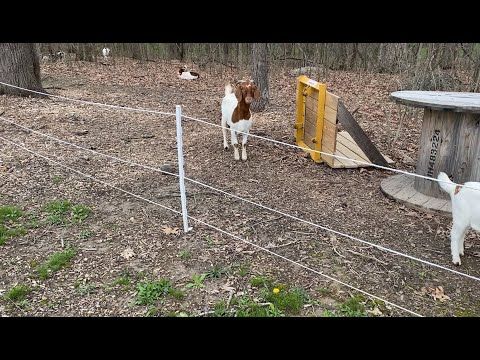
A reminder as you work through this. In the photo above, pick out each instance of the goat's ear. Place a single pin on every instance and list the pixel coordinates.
(238, 93)
(256, 93)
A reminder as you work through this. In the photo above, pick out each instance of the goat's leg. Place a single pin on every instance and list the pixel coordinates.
(244, 147)
(224, 130)
(461, 247)
(457, 236)
(236, 155)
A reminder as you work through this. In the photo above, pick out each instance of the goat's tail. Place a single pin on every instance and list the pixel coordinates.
(228, 89)
(446, 184)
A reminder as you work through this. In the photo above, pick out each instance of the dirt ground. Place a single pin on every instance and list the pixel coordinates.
(127, 238)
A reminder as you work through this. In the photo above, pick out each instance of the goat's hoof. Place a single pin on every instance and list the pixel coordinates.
(244, 158)
(225, 147)
(457, 262)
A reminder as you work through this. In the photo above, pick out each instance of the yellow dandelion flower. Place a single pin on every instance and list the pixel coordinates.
(276, 290)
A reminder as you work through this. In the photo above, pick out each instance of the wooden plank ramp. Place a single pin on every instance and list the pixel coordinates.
(348, 148)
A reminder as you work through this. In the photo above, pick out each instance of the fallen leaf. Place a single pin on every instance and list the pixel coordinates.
(440, 295)
(227, 288)
(376, 311)
(437, 293)
(127, 253)
(476, 253)
(168, 230)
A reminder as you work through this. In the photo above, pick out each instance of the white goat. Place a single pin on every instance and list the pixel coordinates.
(105, 53)
(465, 212)
(236, 113)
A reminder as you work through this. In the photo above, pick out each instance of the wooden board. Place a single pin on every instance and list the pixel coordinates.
(345, 141)
(311, 103)
(329, 139)
(331, 100)
(331, 115)
(310, 128)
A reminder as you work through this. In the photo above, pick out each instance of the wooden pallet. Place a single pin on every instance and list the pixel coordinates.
(318, 112)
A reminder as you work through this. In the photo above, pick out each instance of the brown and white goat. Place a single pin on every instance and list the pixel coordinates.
(236, 113)
(185, 74)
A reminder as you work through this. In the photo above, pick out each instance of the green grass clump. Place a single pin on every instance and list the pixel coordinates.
(9, 226)
(57, 211)
(9, 213)
(353, 307)
(287, 300)
(55, 262)
(60, 212)
(80, 213)
(6, 233)
(17, 293)
(247, 307)
(150, 291)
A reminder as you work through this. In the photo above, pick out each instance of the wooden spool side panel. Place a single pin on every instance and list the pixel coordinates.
(466, 163)
(450, 142)
(438, 131)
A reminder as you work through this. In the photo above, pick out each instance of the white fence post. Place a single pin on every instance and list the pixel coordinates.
(181, 173)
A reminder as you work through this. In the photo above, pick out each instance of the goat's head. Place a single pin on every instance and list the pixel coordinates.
(247, 90)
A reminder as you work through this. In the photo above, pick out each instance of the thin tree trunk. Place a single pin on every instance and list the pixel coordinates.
(86, 52)
(260, 75)
(137, 51)
(177, 51)
(19, 66)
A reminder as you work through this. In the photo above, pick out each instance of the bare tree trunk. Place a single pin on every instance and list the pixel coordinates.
(86, 52)
(353, 57)
(177, 51)
(475, 84)
(136, 51)
(260, 75)
(20, 66)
